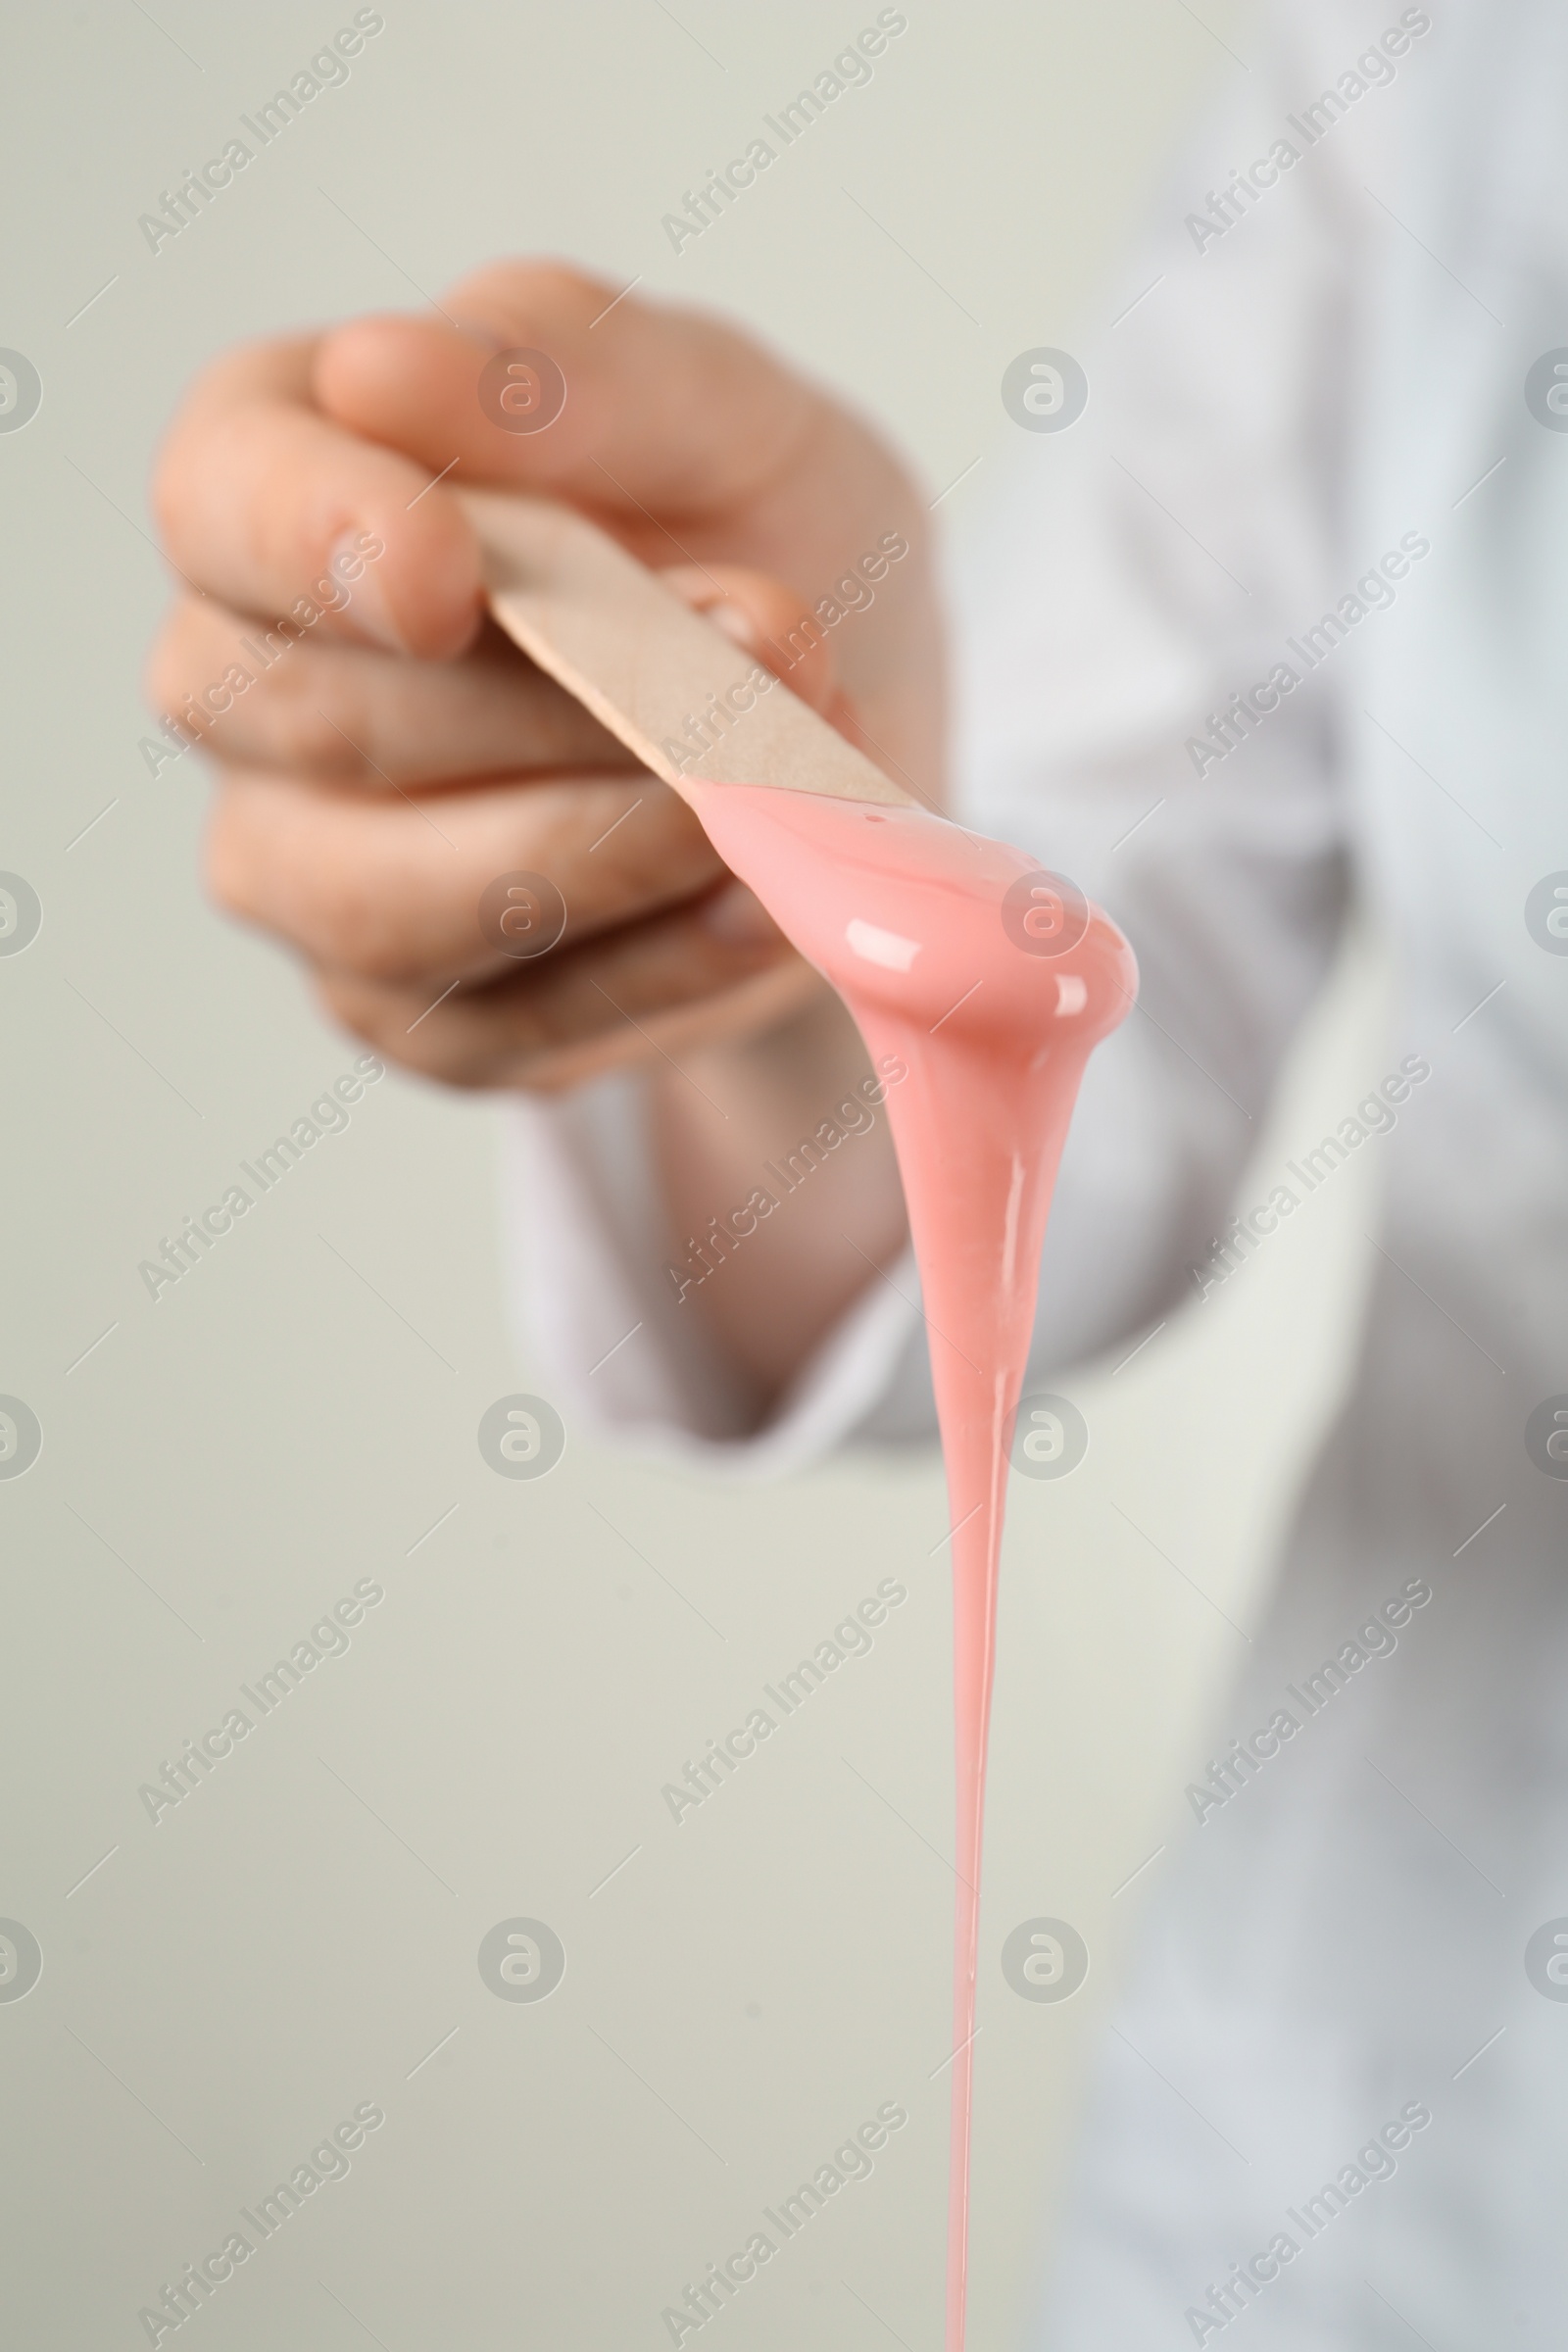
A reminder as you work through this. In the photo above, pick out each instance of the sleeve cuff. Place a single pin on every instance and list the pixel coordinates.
(621, 1358)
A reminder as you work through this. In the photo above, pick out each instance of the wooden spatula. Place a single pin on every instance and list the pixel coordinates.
(676, 691)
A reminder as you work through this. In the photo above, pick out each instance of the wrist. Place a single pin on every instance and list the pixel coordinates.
(780, 1187)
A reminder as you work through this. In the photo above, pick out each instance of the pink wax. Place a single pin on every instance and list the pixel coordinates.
(993, 982)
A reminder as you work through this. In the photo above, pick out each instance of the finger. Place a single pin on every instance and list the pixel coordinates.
(767, 620)
(641, 997)
(280, 511)
(355, 714)
(665, 409)
(390, 889)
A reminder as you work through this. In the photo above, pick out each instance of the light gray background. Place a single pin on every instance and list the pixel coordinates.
(220, 1467)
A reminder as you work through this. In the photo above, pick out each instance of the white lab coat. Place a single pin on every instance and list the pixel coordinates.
(1323, 383)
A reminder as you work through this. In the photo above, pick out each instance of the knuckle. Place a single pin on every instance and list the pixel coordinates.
(357, 1009)
(562, 288)
(165, 672)
(228, 871)
(176, 491)
(365, 925)
(294, 717)
(172, 668)
(314, 872)
(360, 933)
(466, 1073)
(532, 292)
(381, 1018)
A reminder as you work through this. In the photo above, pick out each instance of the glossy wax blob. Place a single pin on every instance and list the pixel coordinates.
(993, 981)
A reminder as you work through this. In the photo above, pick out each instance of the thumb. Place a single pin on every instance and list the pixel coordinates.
(638, 409)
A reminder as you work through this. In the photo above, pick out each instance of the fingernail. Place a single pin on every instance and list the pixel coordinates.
(734, 624)
(359, 579)
(738, 919)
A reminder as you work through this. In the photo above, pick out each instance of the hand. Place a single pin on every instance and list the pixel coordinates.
(398, 756)
(377, 773)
